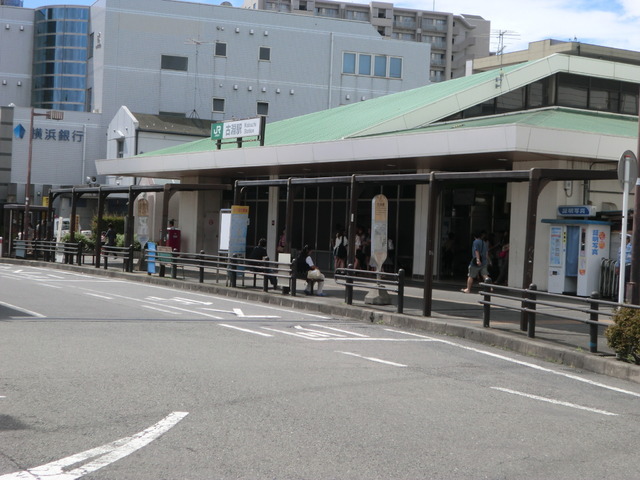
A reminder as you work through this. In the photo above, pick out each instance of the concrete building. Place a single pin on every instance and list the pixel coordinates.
(563, 113)
(171, 58)
(547, 47)
(454, 39)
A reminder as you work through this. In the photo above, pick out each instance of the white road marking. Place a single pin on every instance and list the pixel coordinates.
(98, 295)
(23, 310)
(240, 314)
(160, 310)
(245, 330)
(555, 402)
(520, 362)
(98, 457)
(339, 330)
(308, 332)
(50, 286)
(373, 359)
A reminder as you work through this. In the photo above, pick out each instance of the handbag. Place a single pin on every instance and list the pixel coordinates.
(315, 275)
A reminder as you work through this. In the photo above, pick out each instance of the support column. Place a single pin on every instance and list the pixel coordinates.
(432, 216)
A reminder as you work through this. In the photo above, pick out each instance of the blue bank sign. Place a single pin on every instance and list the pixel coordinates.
(51, 134)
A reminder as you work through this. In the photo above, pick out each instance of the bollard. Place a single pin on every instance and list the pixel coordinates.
(486, 307)
(401, 290)
(232, 271)
(174, 267)
(593, 329)
(531, 323)
(293, 278)
(201, 268)
(348, 292)
(106, 259)
(80, 245)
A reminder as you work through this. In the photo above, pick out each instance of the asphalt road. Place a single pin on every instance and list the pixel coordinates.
(108, 379)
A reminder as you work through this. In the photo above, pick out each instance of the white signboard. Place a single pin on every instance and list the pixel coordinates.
(379, 221)
(240, 128)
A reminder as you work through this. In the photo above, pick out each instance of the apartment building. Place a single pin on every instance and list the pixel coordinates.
(454, 39)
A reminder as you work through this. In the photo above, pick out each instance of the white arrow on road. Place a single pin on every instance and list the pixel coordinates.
(98, 457)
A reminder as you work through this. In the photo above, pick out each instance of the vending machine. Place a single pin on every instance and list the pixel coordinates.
(576, 250)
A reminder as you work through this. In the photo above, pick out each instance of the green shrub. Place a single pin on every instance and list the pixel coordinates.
(88, 244)
(624, 335)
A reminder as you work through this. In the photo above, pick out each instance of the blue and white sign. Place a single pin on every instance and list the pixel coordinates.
(576, 211)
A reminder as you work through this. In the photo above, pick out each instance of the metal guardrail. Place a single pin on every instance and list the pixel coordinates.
(528, 300)
(232, 268)
(48, 250)
(351, 277)
(126, 253)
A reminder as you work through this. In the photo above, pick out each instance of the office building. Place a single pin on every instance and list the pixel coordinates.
(454, 39)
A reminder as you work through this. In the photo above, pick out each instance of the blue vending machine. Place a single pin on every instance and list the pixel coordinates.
(576, 250)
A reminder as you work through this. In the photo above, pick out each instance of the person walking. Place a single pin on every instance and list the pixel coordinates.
(478, 265)
(110, 239)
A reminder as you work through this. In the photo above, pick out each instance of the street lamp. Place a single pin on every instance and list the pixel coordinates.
(51, 115)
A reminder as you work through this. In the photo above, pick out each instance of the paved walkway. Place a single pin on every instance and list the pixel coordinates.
(453, 313)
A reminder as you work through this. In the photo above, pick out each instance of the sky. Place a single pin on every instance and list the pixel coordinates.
(610, 23)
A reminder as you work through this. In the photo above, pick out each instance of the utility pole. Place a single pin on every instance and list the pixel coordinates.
(635, 237)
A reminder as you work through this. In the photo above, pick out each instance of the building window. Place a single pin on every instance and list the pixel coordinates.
(265, 53)
(120, 149)
(218, 105)
(263, 108)
(172, 62)
(221, 49)
(349, 62)
(395, 67)
(380, 66)
(364, 64)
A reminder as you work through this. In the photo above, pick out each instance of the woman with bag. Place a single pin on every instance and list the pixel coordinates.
(307, 269)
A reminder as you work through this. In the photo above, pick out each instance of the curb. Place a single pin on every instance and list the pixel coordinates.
(511, 341)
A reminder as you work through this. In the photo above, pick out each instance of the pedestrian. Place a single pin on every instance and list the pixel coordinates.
(503, 261)
(259, 252)
(360, 258)
(308, 270)
(110, 239)
(478, 263)
(448, 252)
(282, 242)
(340, 249)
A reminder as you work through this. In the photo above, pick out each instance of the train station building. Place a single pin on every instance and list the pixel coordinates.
(565, 113)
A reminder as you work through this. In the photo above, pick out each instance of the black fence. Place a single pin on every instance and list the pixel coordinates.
(532, 303)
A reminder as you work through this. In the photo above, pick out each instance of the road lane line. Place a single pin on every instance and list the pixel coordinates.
(23, 310)
(339, 330)
(98, 295)
(151, 307)
(522, 363)
(555, 402)
(102, 456)
(245, 330)
(373, 359)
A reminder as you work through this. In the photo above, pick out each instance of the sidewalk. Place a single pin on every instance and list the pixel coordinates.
(453, 313)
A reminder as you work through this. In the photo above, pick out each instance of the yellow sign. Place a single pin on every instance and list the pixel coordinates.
(45, 201)
(240, 209)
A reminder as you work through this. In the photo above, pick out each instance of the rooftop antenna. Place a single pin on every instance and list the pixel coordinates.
(501, 34)
(197, 42)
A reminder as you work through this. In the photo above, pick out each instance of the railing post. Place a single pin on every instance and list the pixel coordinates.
(130, 261)
(174, 267)
(593, 329)
(531, 316)
(80, 245)
(348, 291)
(401, 290)
(486, 307)
(232, 271)
(201, 268)
(265, 276)
(293, 278)
(106, 259)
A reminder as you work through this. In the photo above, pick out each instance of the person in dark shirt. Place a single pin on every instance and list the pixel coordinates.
(259, 252)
